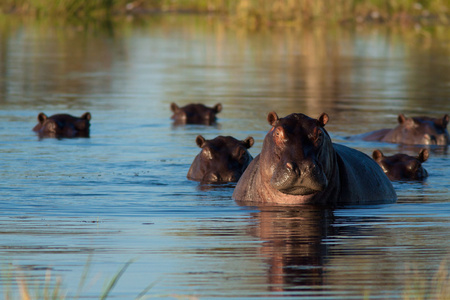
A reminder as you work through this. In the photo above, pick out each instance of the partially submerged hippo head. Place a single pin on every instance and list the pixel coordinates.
(419, 131)
(294, 157)
(63, 125)
(402, 166)
(222, 159)
(195, 113)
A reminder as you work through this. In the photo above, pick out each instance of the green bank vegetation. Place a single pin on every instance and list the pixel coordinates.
(251, 12)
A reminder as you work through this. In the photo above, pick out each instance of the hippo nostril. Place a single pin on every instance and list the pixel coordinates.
(293, 167)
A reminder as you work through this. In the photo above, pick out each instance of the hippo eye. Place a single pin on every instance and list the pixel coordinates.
(279, 136)
(317, 137)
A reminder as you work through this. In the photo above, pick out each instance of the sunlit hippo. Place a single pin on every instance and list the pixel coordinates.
(402, 166)
(413, 131)
(195, 114)
(299, 164)
(63, 125)
(222, 159)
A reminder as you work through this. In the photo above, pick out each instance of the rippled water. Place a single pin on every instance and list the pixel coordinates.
(122, 194)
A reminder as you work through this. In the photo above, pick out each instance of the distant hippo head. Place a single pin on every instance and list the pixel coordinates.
(63, 125)
(195, 114)
(222, 159)
(402, 166)
(295, 155)
(420, 131)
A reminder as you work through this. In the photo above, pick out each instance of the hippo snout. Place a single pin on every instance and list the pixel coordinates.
(299, 180)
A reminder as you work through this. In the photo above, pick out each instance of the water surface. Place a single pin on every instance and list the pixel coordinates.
(122, 194)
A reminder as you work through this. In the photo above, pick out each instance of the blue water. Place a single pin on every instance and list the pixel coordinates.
(122, 194)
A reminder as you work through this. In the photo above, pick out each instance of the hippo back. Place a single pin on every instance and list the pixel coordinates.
(362, 180)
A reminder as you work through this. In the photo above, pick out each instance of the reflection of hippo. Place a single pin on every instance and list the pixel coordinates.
(222, 159)
(63, 125)
(195, 113)
(299, 164)
(413, 131)
(402, 166)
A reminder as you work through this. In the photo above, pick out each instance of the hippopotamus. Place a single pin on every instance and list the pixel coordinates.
(402, 166)
(195, 114)
(413, 131)
(222, 159)
(63, 125)
(299, 164)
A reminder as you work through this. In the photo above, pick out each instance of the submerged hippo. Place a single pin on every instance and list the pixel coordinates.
(402, 166)
(195, 114)
(413, 131)
(299, 164)
(222, 159)
(63, 125)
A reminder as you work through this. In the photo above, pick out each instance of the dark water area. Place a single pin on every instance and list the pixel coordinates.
(122, 194)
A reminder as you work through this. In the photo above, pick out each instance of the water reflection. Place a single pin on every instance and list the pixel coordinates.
(293, 245)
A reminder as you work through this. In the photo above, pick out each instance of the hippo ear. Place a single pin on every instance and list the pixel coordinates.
(423, 155)
(248, 142)
(174, 107)
(200, 140)
(272, 118)
(323, 119)
(377, 155)
(42, 117)
(442, 122)
(86, 116)
(217, 108)
(401, 118)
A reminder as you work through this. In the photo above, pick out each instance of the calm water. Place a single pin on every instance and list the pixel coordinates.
(123, 195)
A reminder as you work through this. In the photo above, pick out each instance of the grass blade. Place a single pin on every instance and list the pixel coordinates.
(113, 281)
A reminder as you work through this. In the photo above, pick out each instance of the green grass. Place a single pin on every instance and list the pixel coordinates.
(253, 13)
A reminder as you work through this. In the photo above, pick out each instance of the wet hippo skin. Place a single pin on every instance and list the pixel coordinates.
(412, 131)
(222, 159)
(195, 114)
(299, 164)
(63, 125)
(402, 166)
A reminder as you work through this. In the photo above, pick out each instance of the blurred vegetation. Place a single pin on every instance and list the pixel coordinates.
(253, 13)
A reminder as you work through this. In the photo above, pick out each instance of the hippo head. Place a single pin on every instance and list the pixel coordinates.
(195, 113)
(222, 159)
(63, 125)
(402, 166)
(296, 154)
(421, 131)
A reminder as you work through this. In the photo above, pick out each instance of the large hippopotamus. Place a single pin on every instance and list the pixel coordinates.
(195, 114)
(299, 164)
(222, 159)
(413, 131)
(63, 125)
(402, 166)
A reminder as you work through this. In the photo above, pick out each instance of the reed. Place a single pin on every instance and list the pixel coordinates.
(251, 12)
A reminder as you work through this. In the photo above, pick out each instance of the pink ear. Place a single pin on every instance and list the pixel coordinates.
(218, 108)
(200, 140)
(272, 118)
(248, 142)
(423, 155)
(377, 155)
(87, 116)
(174, 107)
(323, 119)
(42, 117)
